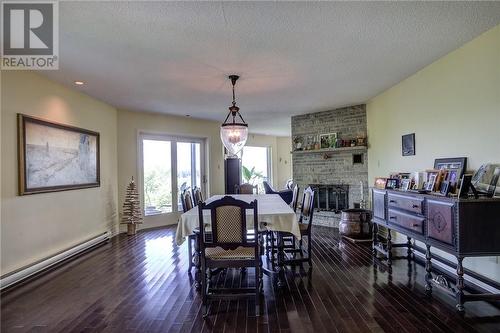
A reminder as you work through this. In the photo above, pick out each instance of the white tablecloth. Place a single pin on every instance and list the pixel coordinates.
(271, 209)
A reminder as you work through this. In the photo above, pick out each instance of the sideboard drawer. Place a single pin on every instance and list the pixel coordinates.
(407, 221)
(410, 204)
(440, 221)
(379, 204)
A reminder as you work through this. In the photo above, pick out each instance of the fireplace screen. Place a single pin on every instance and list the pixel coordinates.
(331, 197)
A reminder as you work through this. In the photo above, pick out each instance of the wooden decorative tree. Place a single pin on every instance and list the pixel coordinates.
(132, 215)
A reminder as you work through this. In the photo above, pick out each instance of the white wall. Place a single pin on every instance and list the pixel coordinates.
(453, 107)
(284, 162)
(39, 225)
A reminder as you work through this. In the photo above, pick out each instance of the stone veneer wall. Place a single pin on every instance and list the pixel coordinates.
(311, 168)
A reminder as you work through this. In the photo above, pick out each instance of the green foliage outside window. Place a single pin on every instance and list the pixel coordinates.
(251, 176)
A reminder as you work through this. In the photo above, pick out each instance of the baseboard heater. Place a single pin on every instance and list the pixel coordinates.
(25, 272)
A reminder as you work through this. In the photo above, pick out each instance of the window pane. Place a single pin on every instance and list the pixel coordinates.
(184, 179)
(157, 177)
(255, 165)
(188, 165)
(197, 154)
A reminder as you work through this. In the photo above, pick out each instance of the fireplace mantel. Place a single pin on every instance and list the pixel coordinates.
(332, 150)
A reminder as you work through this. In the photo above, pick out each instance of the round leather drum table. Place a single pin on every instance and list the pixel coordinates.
(355, 223)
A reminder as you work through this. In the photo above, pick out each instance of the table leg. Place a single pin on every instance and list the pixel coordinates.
(428, 269)
(375, 238)
(460, 285)
(197, 263)
(281, 265)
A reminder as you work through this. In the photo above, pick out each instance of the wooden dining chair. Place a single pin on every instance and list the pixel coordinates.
(246, 188)
(305, 226)
(197, 195)
(289, 240)
(228, 246)
(295, 197)
(186, 200)
(188, 204)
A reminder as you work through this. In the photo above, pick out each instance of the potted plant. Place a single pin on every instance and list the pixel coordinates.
(250, 175)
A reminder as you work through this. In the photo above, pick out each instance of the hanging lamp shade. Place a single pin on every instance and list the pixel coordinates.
(234, 137)
(234, 131)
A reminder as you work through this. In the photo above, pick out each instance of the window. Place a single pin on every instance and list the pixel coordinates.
(256, 165)
(188, 166)
(169, 165)
(157, 181)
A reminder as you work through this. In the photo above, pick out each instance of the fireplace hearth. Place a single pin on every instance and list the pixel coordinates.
(331, 197)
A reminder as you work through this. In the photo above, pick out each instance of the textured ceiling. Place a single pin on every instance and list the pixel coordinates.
(295, 57)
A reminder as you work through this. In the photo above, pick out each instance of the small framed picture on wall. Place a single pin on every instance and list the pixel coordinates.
(408, 144)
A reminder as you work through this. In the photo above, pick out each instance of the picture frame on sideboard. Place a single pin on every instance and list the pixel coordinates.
(380, 183)
(459, 163)
(405, 184)
(432, 176)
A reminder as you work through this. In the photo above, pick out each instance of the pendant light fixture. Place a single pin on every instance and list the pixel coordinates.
(234, 131)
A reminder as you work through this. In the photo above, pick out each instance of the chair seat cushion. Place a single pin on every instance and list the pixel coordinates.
(240, 253)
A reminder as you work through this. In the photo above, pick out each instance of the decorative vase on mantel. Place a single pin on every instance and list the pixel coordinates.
(132, 214)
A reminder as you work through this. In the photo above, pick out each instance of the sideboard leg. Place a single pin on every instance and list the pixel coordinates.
(389, 247)
(408, 247)
(375, 238)
(460, 285)
(428, 269)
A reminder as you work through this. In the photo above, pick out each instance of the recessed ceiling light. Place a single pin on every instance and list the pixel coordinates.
(79, 83)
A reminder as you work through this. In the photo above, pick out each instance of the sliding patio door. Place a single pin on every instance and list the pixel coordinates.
(188, 166)
(169, 165)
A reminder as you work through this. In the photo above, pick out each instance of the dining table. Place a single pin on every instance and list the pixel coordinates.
(274, 214)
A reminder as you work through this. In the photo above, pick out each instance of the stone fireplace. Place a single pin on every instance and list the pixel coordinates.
(340, 176)
(330, 197)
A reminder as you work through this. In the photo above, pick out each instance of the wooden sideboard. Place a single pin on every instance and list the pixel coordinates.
(460, 227)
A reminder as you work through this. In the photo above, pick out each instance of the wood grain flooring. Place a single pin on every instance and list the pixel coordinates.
(141, 284)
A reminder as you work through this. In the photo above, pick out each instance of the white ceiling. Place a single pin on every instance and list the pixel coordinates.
(294, 57)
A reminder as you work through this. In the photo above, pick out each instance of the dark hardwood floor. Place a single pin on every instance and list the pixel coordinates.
(141, 284)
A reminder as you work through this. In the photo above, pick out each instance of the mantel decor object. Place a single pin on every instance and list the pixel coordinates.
(328, 140)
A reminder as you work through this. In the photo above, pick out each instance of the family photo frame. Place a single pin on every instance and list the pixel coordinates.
(328, 140)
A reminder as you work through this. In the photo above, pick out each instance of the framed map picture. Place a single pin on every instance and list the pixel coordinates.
(55, 157)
